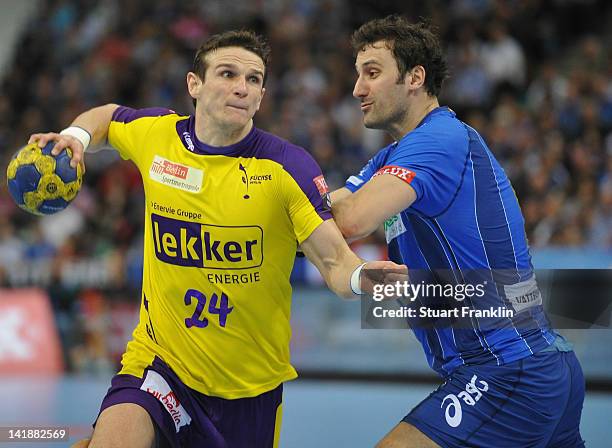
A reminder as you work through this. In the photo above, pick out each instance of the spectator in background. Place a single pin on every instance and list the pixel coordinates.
(502, 57)
(548, 89)
(11, 248)
(470, 85)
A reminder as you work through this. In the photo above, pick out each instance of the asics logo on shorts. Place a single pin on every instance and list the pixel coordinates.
(470, 396)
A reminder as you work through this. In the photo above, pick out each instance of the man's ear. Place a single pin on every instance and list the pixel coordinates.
(415, 78)
(263, 92)
(194, 84)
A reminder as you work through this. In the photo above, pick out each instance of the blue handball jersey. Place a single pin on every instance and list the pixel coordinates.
(466, 221)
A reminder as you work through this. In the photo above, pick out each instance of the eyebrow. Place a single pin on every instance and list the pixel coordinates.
(366, 63)
(234, 66)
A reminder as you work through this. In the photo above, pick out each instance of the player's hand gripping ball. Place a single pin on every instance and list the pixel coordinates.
(41, 183)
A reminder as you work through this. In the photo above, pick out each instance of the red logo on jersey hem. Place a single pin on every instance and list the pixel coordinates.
(319, 181)
(402, 173)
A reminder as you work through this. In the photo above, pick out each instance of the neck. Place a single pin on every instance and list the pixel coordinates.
(412, 118)
(219, 135)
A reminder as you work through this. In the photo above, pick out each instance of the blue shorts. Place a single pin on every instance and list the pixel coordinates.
(533, 402)
(185, 417)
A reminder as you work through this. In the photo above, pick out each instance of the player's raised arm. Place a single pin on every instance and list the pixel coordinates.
(344, 272)
(359, 214)
(89, 129)
(339, 194)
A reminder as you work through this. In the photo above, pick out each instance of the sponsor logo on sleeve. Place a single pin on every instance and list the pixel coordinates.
(176, 175)
(402, 173)
(394, 227)
(156, 385)
(321, 185)
(523, 295)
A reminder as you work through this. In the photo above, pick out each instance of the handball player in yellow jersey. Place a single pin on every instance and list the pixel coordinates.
(227, 205)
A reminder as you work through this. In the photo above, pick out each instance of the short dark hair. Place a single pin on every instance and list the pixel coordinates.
(412, 44)
(237, 38)
(243, 38)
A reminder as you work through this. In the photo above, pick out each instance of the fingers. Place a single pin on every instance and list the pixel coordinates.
(386, 266)
(394, 273)
(60, 145)
(43, 139)
(375, 274)
(394, 266)
(61, 142)
(396, 269)
(67, 141)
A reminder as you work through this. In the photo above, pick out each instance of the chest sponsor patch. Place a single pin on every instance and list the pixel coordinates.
(176, 175)
(402, 173)
(394, 227)
(208, 246)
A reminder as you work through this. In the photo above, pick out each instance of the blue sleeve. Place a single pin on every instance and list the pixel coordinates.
(354, 183)
(434, 170)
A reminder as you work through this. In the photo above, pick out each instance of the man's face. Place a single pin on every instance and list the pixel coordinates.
(232, 88)
(383, 100)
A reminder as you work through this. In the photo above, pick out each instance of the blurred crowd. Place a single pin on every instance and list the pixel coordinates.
(533, 76)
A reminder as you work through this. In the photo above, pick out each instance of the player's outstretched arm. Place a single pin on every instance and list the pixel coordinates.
(90, 129)
(344, 272)
(339, 194)
(360, 213)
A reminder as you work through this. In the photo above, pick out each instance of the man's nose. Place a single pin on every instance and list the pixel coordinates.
(360, 90)
(240, 87)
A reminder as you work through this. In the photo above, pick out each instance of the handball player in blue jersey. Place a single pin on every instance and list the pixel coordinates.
(448, 206)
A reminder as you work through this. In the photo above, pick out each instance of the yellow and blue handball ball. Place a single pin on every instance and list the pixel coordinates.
(41, 183)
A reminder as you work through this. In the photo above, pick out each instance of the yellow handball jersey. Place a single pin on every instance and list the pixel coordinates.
(222, 225)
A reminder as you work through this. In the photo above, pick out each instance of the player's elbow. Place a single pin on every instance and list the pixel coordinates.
(350, 230)
(350, 220)
(353, 228)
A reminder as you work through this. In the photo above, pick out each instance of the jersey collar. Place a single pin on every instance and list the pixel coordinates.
(186, 132)
(437, 111)
(427, 118)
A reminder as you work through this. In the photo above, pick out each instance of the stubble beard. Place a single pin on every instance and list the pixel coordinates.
(381, 121)
(371, 121)
(390, 119)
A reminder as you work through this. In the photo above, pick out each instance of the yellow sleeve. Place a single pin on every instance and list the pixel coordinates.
(306, 193)
(129, 128)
